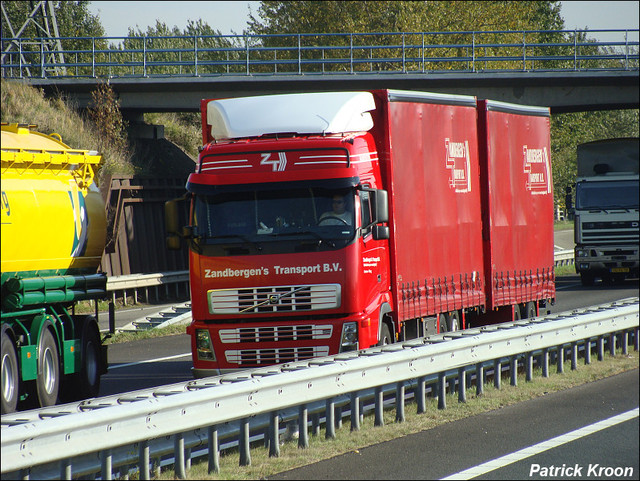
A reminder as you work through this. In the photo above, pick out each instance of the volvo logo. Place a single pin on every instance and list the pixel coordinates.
(274, 299)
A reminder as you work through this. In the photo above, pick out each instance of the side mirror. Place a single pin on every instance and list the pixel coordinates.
(380, 232)
(381, 206)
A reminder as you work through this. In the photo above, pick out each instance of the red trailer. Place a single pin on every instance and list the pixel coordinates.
(335, 221)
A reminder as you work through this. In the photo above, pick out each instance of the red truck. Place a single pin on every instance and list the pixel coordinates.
(327, 222)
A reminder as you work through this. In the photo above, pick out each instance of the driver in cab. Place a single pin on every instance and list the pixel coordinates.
(338, 215)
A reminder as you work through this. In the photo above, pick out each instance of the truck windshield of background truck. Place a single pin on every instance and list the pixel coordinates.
(273, 218)
(622, 194)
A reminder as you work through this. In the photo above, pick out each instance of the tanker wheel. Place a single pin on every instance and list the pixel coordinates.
(530, 310)
(10, 380)
(86, 383)
(385, 335)
(48, 380)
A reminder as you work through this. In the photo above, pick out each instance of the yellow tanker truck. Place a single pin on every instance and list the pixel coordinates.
(53, 235)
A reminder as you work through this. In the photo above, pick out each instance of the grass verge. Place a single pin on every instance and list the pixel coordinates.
(346, 441)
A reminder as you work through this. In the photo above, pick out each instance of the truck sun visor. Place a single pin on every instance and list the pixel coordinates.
(315, 113)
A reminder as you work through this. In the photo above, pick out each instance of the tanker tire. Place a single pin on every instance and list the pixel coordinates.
(385, 335)
(48, 381)
(10, 380)
(85, 383)
(89, 382)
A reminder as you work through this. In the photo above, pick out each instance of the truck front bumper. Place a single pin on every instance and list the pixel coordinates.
(610, 261)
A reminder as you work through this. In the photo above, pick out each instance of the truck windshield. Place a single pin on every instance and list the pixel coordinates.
(607, 195)
(262, 213)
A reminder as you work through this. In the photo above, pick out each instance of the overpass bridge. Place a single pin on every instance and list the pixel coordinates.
(563, 70)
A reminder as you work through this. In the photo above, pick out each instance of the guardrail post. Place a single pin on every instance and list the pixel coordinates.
(355, 411)
(274, 435)
(330, 423)
(497, 373)
(178, 448)
(462, 386)
(612, 344)
(545, 362)
(143, 460)
(600, 348)
(635, 339)
(338, 410)
(400, 402)
(303, 434)
(513, 368)
(65, 469)
(442, 390)
(528, 367)
(587, 351)
(105, 461)
(379, 406)
(625, 343)
(214, 450)
(574, 356)
(243, 443)
(479, 379)
(421, 395)
(560, 360)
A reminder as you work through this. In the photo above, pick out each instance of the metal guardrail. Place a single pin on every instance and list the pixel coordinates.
(133, 282)
(104, 433)
(564, 257)
(382, 52)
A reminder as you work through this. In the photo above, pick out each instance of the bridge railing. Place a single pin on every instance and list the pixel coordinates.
(334, 53)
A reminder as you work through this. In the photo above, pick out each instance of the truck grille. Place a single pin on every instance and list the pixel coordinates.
(621, 232)
(276, 333)
(258, 300)
(258, 357)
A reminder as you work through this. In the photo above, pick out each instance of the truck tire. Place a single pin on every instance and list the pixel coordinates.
(385, 335)
(530, 310)
(517, 312)
(10, 379)
(48, 380)
(453, 321)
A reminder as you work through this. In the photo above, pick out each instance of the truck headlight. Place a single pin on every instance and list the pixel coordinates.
(582, 253)
(204, 346)
(349, 339)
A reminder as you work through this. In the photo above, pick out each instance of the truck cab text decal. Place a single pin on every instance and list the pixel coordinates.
(458, 161)
(278, 270)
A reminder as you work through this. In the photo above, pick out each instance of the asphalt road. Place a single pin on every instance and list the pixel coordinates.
(455, 447)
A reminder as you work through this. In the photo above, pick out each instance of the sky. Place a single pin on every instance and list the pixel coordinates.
(231, 17)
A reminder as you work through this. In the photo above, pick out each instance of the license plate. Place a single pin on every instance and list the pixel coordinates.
(619, 269)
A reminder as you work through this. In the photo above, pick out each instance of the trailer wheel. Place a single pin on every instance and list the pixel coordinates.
(517, 314)
(385, 335)
(530, 310)
(10, 379)
(48, 380)
(453, 321)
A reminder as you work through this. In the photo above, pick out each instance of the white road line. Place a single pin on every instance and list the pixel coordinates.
(543, 446)
(168, 358)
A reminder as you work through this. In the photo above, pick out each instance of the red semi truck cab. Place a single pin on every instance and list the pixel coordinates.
(288, 254)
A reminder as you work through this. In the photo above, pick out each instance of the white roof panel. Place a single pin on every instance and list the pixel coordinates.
(306, 113)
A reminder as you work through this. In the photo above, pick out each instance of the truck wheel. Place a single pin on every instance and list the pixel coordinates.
(587, 279)
(48, 380)
(453, 321)
(385, 335)
(10, 378)
(530, 310)
(517, 315)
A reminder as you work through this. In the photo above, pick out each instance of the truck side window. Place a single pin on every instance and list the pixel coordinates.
(365, 209)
